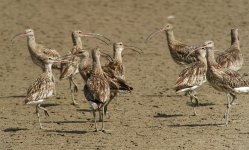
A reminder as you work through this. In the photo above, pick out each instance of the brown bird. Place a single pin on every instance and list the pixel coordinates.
(42, 88)
(232, 58)
(38, 52)
(115, 70)
(178, 50)
(85, 68)
(97, 89)
(69, 70)
(193, 77)
(224, 80)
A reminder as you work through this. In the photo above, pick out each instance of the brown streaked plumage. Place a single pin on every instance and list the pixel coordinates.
(193, 76)
(178, 50)
(97, 89)
(116, 67)
(232, 58)
(225, 80)
(69, 70)
(115, 70)
(42, 88)
(38, 52)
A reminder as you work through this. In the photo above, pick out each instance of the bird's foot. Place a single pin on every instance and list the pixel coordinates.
(106, 131)
(75, 103)
(222, 125)
(75, 89)
(46, 113)
(118, 109)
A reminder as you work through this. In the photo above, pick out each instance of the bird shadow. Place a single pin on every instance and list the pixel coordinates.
(49, 105)
(14, 129)
(68, 131)
(13, 96)
(200, 104)
(84, 110)
(160, 115)
(70, 121)
(196, 125)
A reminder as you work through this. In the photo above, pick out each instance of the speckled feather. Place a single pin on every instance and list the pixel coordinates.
(41, 52)
(97, 88)
(194, 75)
(231, 58)
(180, 51)
(43, 87)
(115, 68)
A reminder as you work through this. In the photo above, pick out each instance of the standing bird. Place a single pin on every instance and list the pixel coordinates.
(193, 77)
(232, 58)
(97, 89)
(38, 52)
(224, 80)
(69, 70)
(42, 88)
(178, 50)
(115, 70)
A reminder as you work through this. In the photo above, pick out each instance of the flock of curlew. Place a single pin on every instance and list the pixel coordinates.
(103, 83)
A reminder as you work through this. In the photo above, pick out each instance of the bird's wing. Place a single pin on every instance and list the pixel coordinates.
(42, 88)
(194, 75)
(98, 88)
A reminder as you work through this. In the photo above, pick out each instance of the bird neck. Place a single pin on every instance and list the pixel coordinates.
(117, 57)
(77, 42)
(211, 59)
(234, 38)
(170, 36)
(202, 59)
(84, 61)
(31, 41)
(48, 68)
(96, 66)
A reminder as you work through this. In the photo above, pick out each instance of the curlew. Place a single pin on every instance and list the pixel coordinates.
(42, 88)
(69, 70)
(193, 77)
(38, 52)
(97, 89)
(178, 50)
(232, 58)
(115, 70)
(224, 80)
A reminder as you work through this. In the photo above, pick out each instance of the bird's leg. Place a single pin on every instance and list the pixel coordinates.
(38, 115)
(226, 115)
(105, 106)
(44, 109)
(192, 96)
(100, 116)
(102, 128)
(95, 122)
(234, 98)
(72, 88)
(75, 86)
(116, 97)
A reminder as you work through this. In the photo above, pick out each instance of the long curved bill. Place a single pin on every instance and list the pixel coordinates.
(153, 34)
(136, 49)
(96, 35)
(107, 56)
(17, 35)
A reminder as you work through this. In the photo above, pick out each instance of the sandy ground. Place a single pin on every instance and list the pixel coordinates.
(153, 116)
